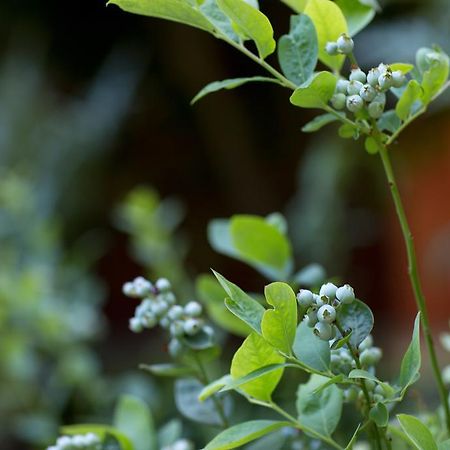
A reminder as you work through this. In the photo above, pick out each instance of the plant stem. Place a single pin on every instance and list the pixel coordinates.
(414, 279)
(203, 378)
(296, 423)
(362, 383)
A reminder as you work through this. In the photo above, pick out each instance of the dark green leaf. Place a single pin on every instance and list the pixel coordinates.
(411, 362)
(358, 318)
(379, 414)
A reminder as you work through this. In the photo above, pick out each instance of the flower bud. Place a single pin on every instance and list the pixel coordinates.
(367, 93)
(193, 309)
(328, 289)
(175, 312)
(398, 79)
(345, 44)
(305, 298)
(372, 76)
(357, 75)
(338, 101)
(375, 109)
(326, 313)
(341, 86)
(323, 330)
(192, 327)
(331, 48)
(345, 294)
(163, 285)
(354, 87)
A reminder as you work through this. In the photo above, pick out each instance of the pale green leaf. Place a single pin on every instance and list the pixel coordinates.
(167, 370)
(410, 95)
(175, 10)
(319, 411)
(216, 16)
(298, 50)
(371, 145)
(242, 433)
(389, 121)
(330, 24)
(101, 431)
(230, 84)
(213, 387)
(379, 414)
(296, 5)
(279, 324)
(316, 92)
(436, 76)
(252, 22)
(318, 122)
(403, 67)
(133, 418)
(255, 353)
(212, 296)
(417, 432)
(444, 445)
(241, 304)
(411, 362)
(357, 15)
(311, 350)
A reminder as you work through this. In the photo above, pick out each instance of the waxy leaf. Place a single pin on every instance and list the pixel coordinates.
(411, 94)
(210, 9)
(255, 353)
(389, 121)
(379, 414)
(435, 77)
(311, 350)
(241, 304)
(252, 22)
(357, 15)
(358, 318)
(330, 24)
(133, 418)
(230, 84)
(411, 362)
(242, 433)
(279, 324)
(298, 50)
(255, 241)
(316, 92)
(444, 445)
(212, 296)
(187, 392)
(320, 411)
(169, 433)
(318, 122)
(175, 10)
(417, 432)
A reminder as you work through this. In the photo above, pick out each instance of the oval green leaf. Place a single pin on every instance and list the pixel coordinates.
(316, 92)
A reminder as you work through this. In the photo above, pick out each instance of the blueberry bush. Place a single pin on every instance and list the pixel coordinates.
(302, 322)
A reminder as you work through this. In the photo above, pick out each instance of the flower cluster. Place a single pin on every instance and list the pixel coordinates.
(180, 444)
(89, 441)
(159, 307)
(343, 46)
(321, 308)
(367, 92)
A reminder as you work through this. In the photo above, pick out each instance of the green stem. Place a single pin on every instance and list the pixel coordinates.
(414, 279)
(279, 76)
(204, 379)
(362, 383)
(341, 116)
(296, 423)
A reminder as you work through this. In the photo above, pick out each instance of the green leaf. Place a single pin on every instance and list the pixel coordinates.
(214, 387)
(363, 374)
(403, 67)
(255, 241)
(357, 15)
(175, 10)
(101, 431)
(311, 350)
(169, 433)
(211, 294)
(379, 414)
(230, 84)
(339, 343)
(417, 432)
(411, 362)
(312, 275)
(244, 432)
(262, 244)
(187, 392)
(319, 411)
(233, 384)
(389, 121)
(241, 304)
(348, 131)
(255, 353)
(279, 324)
(167, 370)
(330, 24)
(436, 76)
(371, 145)
(216, 16)
(296, 5)
(353, 439)
(316, 92)
(318, 122)
(411, 94)
(133, 418)
(358, 318)
(298, 50)
(252, 22)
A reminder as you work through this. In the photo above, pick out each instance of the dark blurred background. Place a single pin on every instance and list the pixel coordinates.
(94, 102)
